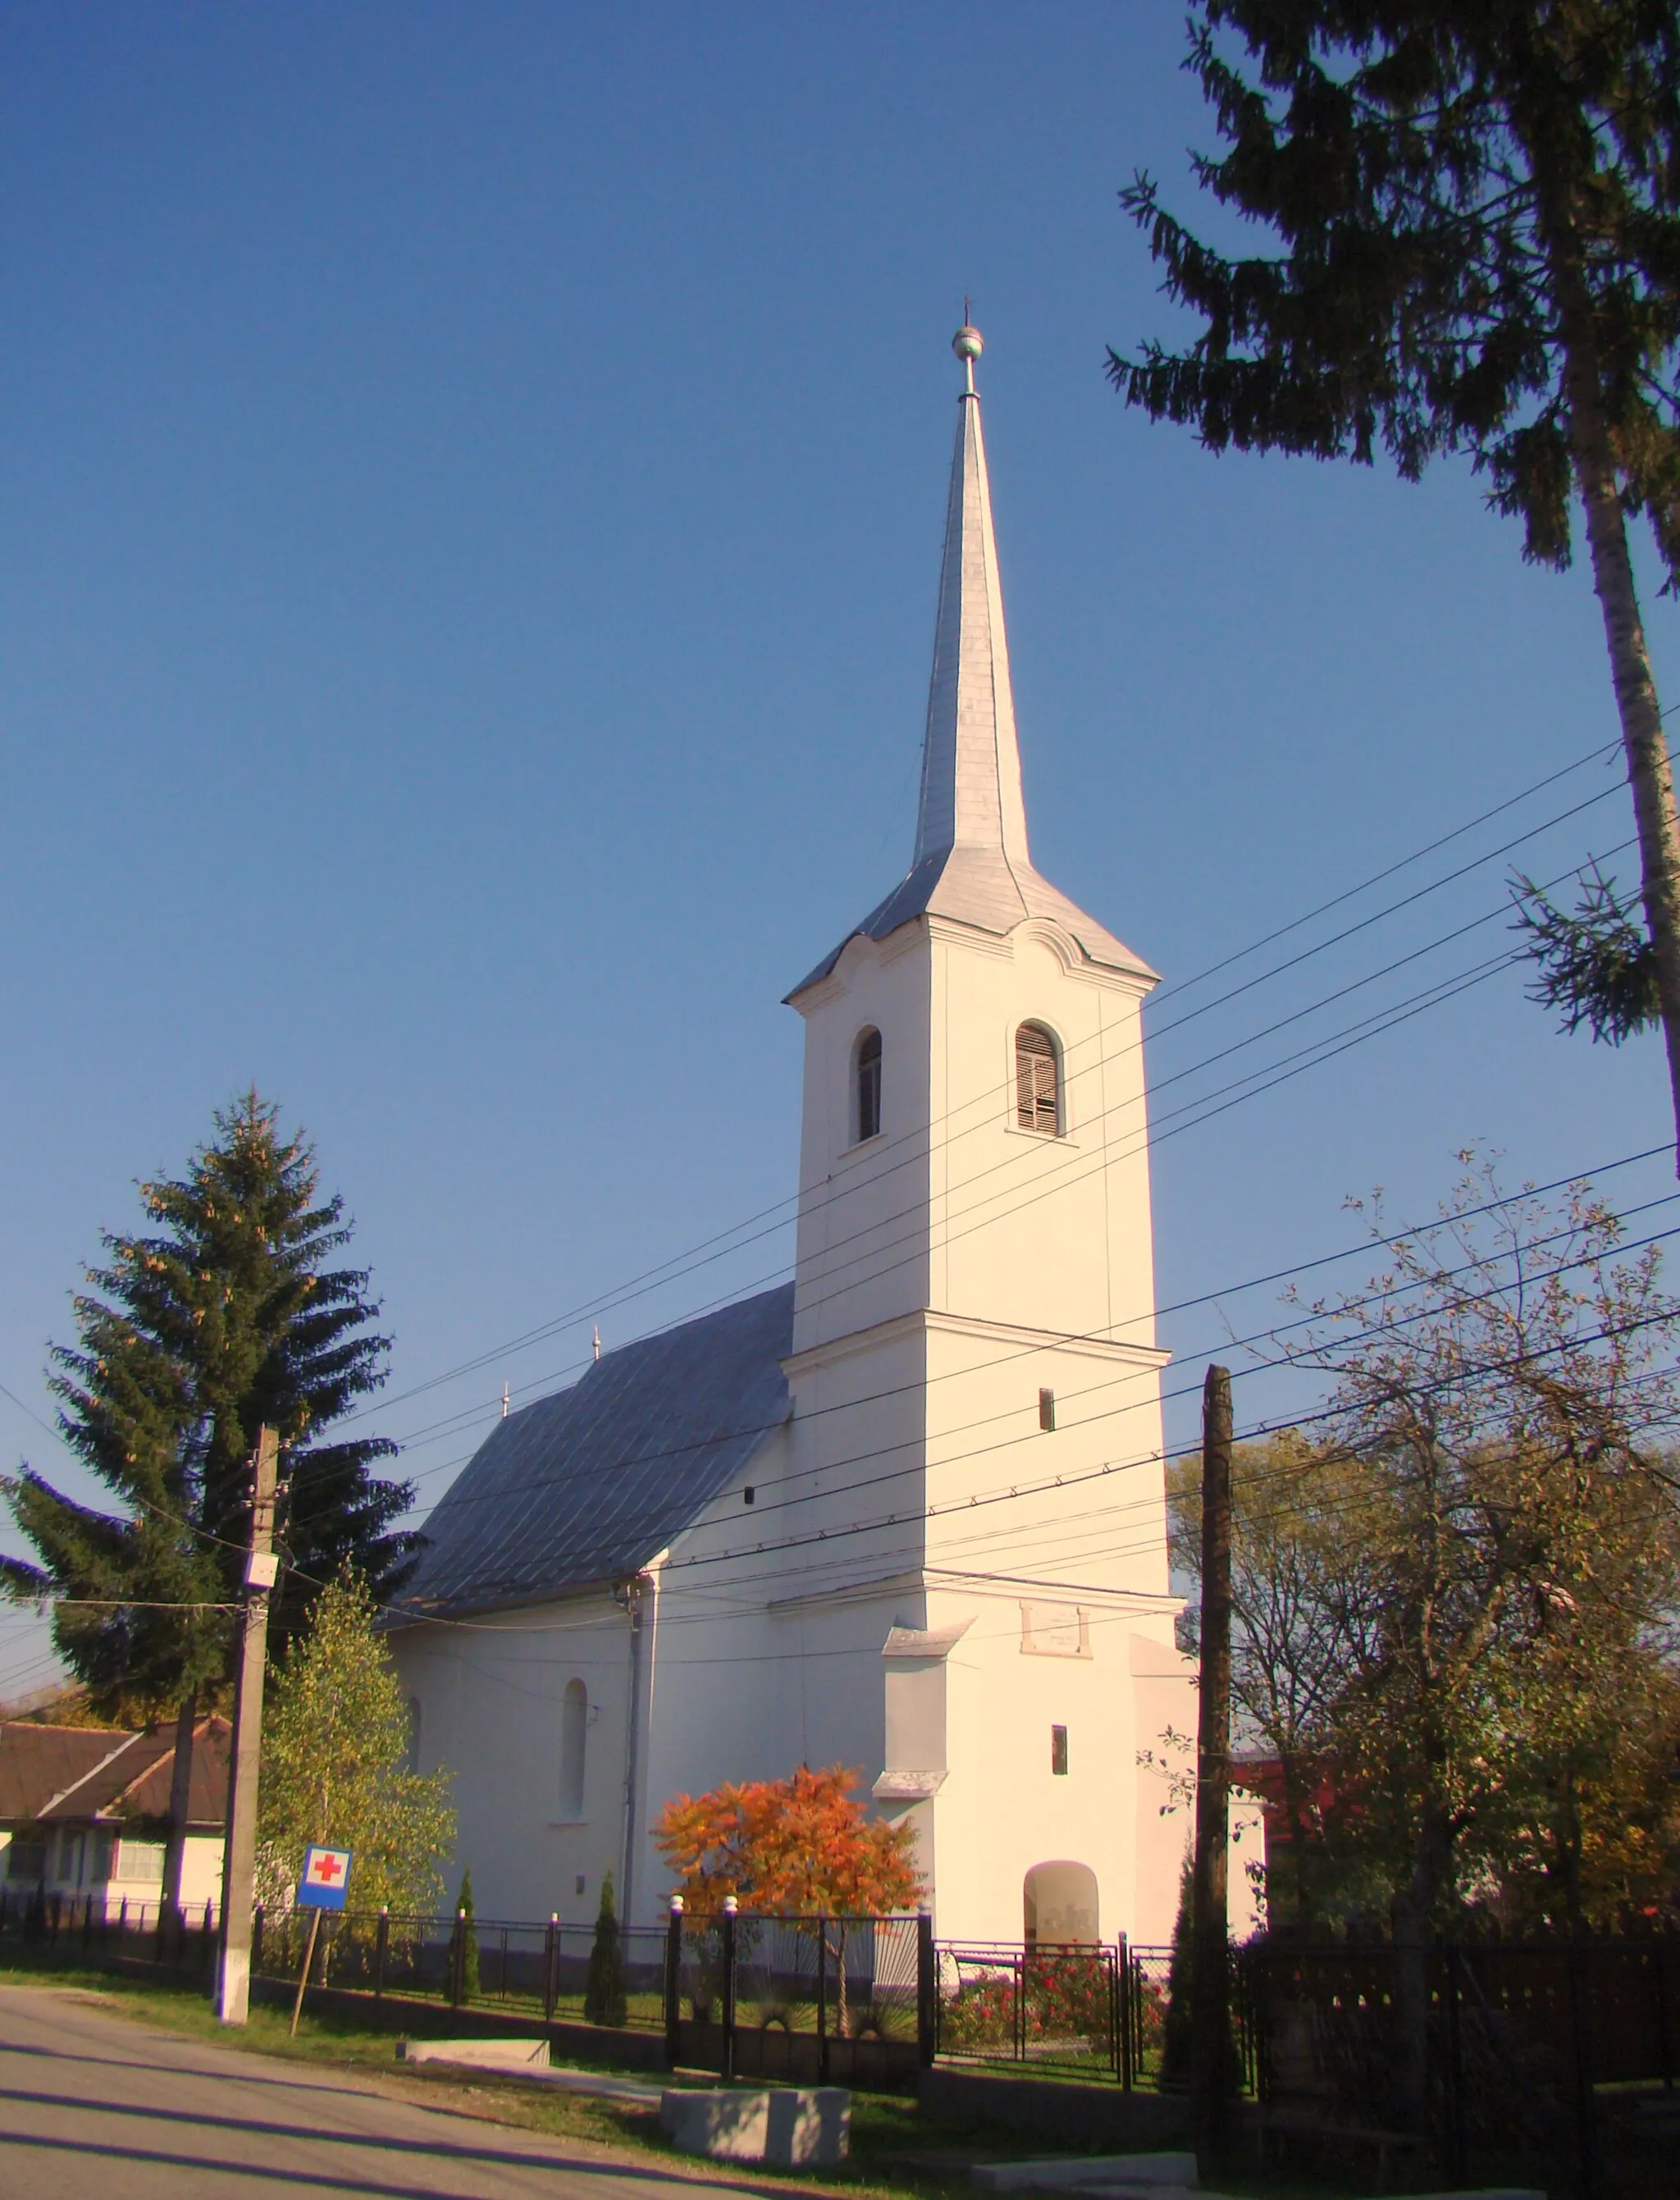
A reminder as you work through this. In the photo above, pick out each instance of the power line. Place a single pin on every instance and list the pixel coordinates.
(1073, 1169)
(1079, 1477)
(654, 1279)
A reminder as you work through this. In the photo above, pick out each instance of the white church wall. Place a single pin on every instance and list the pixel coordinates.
(1005, 1810)
(1052, 1232)
(862, 1252)
(492, 1702)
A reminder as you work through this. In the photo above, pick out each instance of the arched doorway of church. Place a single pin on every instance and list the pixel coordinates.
(1059, 1904)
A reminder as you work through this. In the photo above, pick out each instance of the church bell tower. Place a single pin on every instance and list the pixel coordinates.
(976, 1414)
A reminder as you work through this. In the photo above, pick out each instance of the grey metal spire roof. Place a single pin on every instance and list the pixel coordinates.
(590, 1484)
(971, 860)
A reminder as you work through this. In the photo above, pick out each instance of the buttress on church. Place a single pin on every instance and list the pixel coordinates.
(907, 1513)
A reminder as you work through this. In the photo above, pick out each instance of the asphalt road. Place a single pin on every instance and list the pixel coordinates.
(98, 2107)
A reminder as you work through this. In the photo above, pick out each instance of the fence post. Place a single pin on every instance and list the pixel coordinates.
(674, 1984)
(551, 1979)
(821, 2001)
(457, 1958)
(730, 1906)
(1021, 2007)
(926, 1990)
(257, 1937)
(1455, 2135)
(1664, 2021)
(382, 1941)
(1586, 2136)
(57, 1915)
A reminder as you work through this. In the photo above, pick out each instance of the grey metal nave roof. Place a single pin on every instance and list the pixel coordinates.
(590, 1484)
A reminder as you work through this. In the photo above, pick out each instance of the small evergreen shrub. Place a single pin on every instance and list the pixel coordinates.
(603, 1989)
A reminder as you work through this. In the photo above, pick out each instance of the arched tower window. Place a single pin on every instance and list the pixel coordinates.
(574, 1732)
(867, 1081)
(1037, 1080)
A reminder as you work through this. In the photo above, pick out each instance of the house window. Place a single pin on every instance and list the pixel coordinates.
(868, 1084)
(1037, 1096)
(26, 1860)
(140, 1862)
(1058, 1750)
(574, 1731)
(1047, 1410)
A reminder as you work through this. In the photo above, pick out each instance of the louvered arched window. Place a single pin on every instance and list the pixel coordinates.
(1037, 1080)
(866, 1080)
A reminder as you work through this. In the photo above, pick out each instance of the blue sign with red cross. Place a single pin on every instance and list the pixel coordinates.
(326, 1874)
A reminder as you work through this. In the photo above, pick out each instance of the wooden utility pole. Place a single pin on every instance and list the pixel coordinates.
(233, 1999)
(1209, 2001)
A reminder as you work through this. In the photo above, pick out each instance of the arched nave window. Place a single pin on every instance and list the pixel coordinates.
(574, 1732)
(867, 1081)
(1037, 1080)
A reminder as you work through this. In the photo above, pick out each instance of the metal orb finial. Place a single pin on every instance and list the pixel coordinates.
(967, 342)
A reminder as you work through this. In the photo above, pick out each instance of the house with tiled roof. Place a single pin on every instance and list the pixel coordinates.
(906, 1512)
(83, 1814)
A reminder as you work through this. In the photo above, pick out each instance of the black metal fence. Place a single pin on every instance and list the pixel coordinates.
(846, 2001)
(89, 1922)
(493, 1963)
(1536, 2054)
(1052, 2006)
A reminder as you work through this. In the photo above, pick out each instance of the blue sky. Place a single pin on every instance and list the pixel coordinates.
(469, 526)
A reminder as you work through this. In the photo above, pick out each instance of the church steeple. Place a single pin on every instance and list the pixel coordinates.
(971, 863)
(970, 764)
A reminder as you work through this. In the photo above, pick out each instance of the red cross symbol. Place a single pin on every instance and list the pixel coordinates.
(326, 1867)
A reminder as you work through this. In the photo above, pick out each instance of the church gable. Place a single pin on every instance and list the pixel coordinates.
(590, 1484)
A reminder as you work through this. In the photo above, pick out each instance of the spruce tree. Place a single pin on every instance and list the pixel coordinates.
(1474, 207)
(224, 1317)
(604, 1999)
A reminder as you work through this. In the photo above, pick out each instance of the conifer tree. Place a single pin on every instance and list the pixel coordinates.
(1475, 207)
(1176, 2031)
(467, 1918)
(223, 1318)
(604, 1999)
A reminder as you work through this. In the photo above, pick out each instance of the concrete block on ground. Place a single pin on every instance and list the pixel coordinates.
(490, 2054)
(1089, 2173)
(783, 2126)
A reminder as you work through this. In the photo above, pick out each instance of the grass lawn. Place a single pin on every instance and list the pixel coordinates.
(894, 2155)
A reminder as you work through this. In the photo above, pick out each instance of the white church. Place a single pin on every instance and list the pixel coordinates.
(906, 1513)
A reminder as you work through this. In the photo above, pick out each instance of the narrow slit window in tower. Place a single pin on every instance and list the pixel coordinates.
(868, 1085)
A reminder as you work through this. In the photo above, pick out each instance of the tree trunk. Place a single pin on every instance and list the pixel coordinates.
(1649, 773)
(1209, 1993)
(1412, 1912)
(174, 1854)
